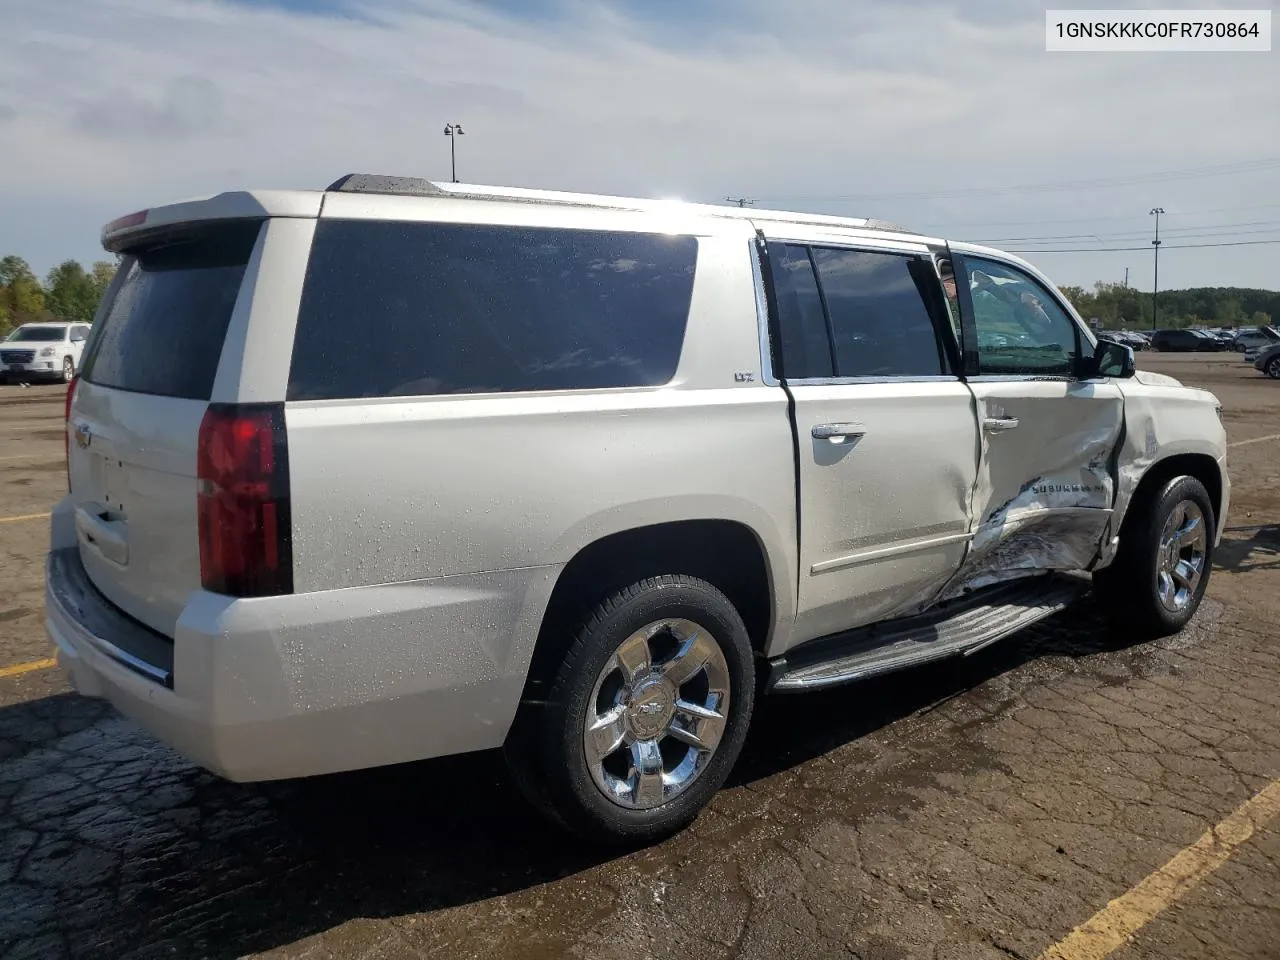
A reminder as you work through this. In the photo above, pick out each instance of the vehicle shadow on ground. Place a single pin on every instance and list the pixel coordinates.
(1261, 551)
(110, 845)
(833, 718)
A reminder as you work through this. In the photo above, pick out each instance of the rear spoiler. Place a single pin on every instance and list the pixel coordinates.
(124, 232)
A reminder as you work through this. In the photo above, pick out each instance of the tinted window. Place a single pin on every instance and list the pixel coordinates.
(38, 334)
(1021, 329)
(806, 348)
(411, 309)
(879, 318)
(163, 331)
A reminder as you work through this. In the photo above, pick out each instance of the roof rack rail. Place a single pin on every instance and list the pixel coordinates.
(376, 183)
(886, 225)
(420, 187)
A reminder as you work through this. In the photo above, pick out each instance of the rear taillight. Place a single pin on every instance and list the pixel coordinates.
(242, 469)
(66, 425)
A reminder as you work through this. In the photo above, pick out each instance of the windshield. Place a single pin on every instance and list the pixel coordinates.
(38, 334)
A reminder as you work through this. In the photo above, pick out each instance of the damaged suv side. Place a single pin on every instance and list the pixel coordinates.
(1055, 495)
(595, 473)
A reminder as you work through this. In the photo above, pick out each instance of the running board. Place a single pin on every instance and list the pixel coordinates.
(960, 628)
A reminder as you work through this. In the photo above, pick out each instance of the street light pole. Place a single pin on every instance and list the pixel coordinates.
(1155, 280)
(453, 131)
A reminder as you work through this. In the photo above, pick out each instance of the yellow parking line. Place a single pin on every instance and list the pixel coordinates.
(1241, 443)
(18, 669)
(1113, 925)
(25, 516)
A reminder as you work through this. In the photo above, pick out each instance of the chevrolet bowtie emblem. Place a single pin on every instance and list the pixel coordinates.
(84, 436)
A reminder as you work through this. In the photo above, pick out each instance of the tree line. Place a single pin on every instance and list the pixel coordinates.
(69, 292)
(1119, 307)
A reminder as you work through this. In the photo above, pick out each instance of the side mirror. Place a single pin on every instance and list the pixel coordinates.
(1111, 359)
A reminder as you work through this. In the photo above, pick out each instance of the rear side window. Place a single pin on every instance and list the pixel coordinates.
(879, 318)
(163, 331)
(416, 309)
(806, 345)
(856, 313)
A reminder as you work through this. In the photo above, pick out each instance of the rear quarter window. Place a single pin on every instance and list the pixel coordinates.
(163, 331)
(416, 309)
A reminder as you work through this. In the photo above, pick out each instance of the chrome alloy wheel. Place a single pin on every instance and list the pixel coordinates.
(1180, 559)
(656, 714)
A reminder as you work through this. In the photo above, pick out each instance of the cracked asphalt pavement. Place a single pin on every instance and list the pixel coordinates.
(981, 808)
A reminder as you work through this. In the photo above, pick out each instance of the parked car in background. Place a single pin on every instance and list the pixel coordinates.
(1255, 338)
(1185, 341)
(597, 467)
(1127, 337)
(1211, 334)
(1268, 361)
(43, 351)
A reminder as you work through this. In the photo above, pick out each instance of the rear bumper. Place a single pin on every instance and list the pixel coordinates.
(76, 608)
(294, 686)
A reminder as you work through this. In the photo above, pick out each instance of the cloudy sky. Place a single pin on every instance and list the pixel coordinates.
(948, 119)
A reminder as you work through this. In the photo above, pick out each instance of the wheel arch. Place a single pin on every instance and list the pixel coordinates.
(1203, 466)
(728, 554)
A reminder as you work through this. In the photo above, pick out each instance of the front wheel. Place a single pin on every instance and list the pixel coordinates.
(1159, 576)
(1273, 368)
(646, 714)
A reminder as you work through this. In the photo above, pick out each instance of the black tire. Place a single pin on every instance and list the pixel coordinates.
(68, 369)
(545, 750)
(1129, 587)
(1273, 368)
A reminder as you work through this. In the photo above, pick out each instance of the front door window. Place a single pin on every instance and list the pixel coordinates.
(1020, 329)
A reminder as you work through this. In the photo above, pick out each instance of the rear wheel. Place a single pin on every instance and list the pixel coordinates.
(1273, 368)
(1158, 578)
(68, 369)
(646, 714)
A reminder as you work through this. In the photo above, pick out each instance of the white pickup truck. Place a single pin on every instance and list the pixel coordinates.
(398, 469)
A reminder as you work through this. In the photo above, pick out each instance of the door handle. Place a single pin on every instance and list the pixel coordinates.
(107, 536)
(838, 432)
(1000, 424)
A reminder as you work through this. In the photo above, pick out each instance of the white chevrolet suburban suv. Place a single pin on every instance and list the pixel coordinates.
(42, 351)
(395, 470)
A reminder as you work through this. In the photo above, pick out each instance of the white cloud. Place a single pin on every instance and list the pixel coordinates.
(132, 102)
